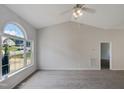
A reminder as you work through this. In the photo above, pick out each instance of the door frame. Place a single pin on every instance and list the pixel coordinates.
(110, 50)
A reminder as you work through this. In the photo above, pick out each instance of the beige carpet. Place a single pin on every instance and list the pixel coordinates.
(74, 80)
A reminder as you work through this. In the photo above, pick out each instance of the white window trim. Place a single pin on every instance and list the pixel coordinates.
(16, 72)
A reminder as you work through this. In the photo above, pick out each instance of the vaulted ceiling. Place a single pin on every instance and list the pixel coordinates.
(43, 15)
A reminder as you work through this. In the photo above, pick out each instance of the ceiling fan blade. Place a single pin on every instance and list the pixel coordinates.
(90, 10)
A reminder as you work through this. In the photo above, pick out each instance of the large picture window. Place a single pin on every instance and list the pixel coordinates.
(15, 49)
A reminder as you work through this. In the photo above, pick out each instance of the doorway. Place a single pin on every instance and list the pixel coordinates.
(105, 55)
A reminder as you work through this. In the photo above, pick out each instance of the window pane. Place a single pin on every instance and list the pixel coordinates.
(28, 52)
(14, 49)
(13, 29)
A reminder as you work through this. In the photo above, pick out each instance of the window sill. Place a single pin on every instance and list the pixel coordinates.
(14, 73)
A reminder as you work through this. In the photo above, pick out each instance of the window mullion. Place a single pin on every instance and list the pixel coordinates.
(25, 59)
(0, 58)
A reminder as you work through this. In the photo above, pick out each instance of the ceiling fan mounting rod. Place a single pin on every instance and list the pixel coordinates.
(79, 5)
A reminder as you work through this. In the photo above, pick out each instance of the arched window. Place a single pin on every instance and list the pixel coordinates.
(13, 29)
(16, 49)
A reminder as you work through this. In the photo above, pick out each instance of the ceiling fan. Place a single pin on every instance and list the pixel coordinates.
(79, 9)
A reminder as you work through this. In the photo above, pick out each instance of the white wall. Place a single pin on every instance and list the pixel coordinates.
(105, 51)
(66, 47)
(8, 16)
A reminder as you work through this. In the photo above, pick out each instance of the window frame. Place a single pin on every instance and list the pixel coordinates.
(20, 38)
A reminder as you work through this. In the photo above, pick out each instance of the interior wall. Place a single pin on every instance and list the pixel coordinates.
(6, 16)
(105, 51)
(117, 49)
(70, 46)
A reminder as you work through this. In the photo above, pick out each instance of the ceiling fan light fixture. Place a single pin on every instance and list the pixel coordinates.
(77, 12)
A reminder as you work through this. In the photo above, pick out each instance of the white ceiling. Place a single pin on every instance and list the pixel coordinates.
(41, 15)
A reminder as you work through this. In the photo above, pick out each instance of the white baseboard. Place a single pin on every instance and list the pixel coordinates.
(69, 69)
(116, 69)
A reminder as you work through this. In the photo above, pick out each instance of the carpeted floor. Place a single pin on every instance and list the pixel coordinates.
(104, 79)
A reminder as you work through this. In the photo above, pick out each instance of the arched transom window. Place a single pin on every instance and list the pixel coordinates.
(14, 30)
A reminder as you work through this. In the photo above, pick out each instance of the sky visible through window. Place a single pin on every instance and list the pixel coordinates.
(13, 29)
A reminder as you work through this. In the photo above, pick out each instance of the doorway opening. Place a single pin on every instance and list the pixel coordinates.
(105, 55)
